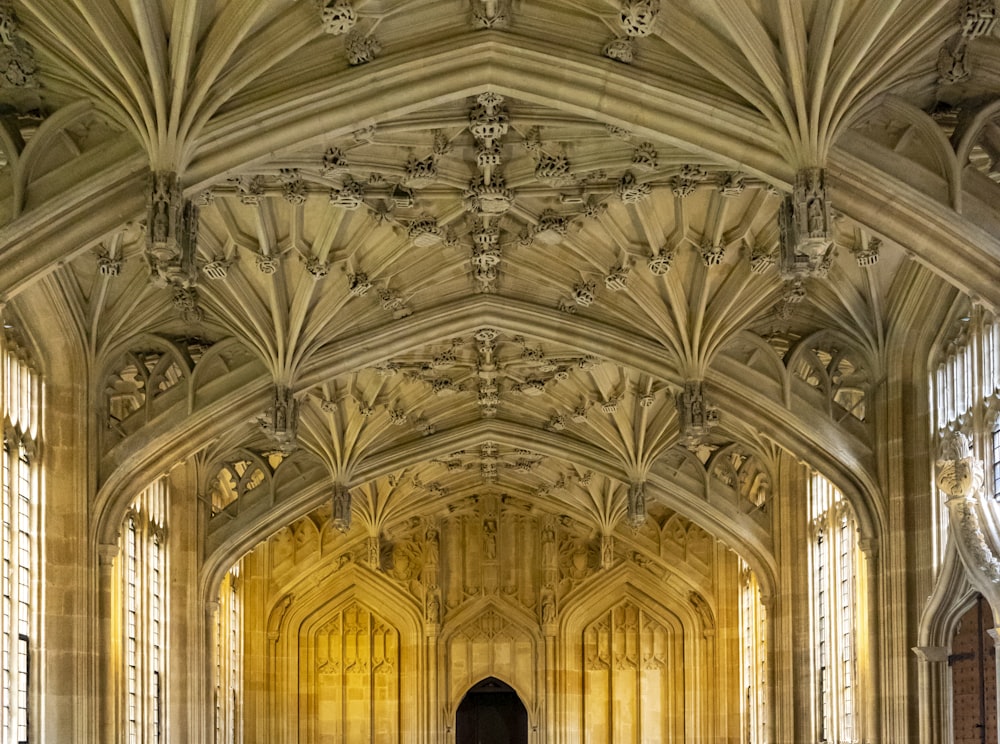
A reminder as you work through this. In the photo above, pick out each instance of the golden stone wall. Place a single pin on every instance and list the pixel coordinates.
(610, 638)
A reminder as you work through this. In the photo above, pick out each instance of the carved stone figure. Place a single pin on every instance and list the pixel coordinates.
(341, 518)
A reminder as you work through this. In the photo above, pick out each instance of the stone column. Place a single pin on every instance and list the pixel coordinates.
(770, 690)
(211, 685)
(871, 725)
(547, 708)
(934, 694)
(433, 707)
(107, 642)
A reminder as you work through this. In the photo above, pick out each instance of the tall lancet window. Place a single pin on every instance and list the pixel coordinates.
(142, 583)
(228, 653)
(753, 658)
(966, 397)
(20, 391)
(836, 617)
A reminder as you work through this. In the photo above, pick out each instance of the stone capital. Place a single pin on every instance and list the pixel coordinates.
(932, 654)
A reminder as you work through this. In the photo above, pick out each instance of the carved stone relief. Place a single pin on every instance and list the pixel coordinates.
(628, 685)
(356, 657)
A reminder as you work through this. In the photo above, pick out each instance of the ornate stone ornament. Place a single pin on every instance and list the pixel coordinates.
(249, 188)
(424, 232)
(645, 157)
(171, 233)
(317, 268)
(334, 163)
(17, 58)
(584, 293)
(617, 278)
(660, 263)
(488, 199)
(108, 266)
(867, 255)
(339, 16)
(551, 228)
(960, 477)
(185, 299)
(267, 264)
(486, 257)
(621, 49)
(490, 14)
(350, 195)
(695, 418)
(360, 47)
(280, 421)
(959, 473)
(340, 517)
(420, 172)
(488, 121)
(294, 191)
(732, 184)
(635, 509)
(953, 64)
(978, 18)
(358, 284)
(217, 269)
(553, 169)
(712, 254)
(630, 190)
(760, 260)
(638, 16)
(805, 226)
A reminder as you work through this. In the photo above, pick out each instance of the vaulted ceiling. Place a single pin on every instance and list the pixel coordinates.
(448, 247)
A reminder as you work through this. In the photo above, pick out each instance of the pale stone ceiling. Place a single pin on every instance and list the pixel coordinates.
(632, 203)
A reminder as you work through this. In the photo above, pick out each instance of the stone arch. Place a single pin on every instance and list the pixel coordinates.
(468, 645)
(474, 64)
(808, 360)
(313, 613)
(243, 471)
(930, 136)
(145, 366)
(766, 359)
(462, 316)
(215, 363)
(953, 595)
(42, 143)
(237, 536)
(746, 472)
(680, 660)
(513, 714)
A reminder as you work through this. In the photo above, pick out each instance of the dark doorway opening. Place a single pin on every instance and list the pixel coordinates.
(491, 713)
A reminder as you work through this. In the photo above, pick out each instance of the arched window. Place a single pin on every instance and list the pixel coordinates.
(834, 563)
(966, 392)
(142, 597)
(753, 653)
(228, 653)
(19, 396)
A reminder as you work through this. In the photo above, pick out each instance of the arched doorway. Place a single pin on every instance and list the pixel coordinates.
(491, 713)
(973, 678)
